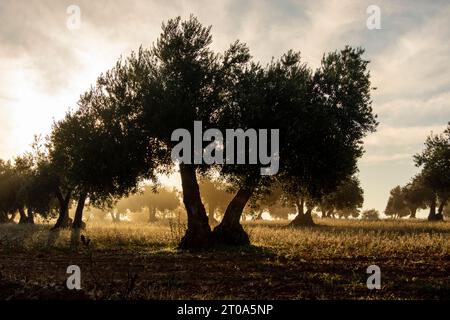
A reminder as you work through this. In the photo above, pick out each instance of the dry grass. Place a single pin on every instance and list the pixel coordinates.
(354, 239)
(326, 261)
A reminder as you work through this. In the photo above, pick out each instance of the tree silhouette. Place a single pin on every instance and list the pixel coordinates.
(371, 214)
(102, 150)
(178, 81)
(416, 195)
(396, 206)
(162, 200)
(331, 141)
(345, 201)
(122, 131)
(435, 163)
(153, 199)
(9, 188)
(322, 117)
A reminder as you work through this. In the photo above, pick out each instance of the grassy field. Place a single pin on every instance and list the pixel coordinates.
(128, 261)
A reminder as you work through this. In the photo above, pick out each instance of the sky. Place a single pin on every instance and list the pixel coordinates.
(45, 64)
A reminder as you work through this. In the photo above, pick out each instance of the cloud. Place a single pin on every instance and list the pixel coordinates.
(389, 136)
(396, 145)
(434, 110)
(416, 65)
(379, 158)
(44, 67)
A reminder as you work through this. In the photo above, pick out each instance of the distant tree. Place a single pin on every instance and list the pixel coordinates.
(435, 163)
(345, 201)
(123, 206)
(23, 190)
(104, 153)
(371, 214)
(347, 213)
(215, 195)
(97, 214)
(279, 210)
(33, 190)
(416, 195)
(9, 187)
(163, 200)
(272, 201)
(396, 206)
(275, 204)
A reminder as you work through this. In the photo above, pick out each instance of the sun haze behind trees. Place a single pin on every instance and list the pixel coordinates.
(120, 134)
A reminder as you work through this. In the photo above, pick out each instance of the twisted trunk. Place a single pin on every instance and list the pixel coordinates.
(23, 217)
(198, 233)
(303, 218)
(30, 216)
(230, 231)
(78, 219)
(432, 216)
(63, 220)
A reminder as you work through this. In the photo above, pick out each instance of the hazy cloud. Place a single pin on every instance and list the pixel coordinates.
(44, 66)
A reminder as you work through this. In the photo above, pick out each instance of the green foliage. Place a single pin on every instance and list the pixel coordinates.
(324, 130)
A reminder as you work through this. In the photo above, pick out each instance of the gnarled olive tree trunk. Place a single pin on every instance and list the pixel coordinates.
(303, 218)
(78, 219)
(198, 233)
(230, 231)
(23, 217)
(27, 217)
(440, 213)
(433, 216)
(30, 216)
(63, 220)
